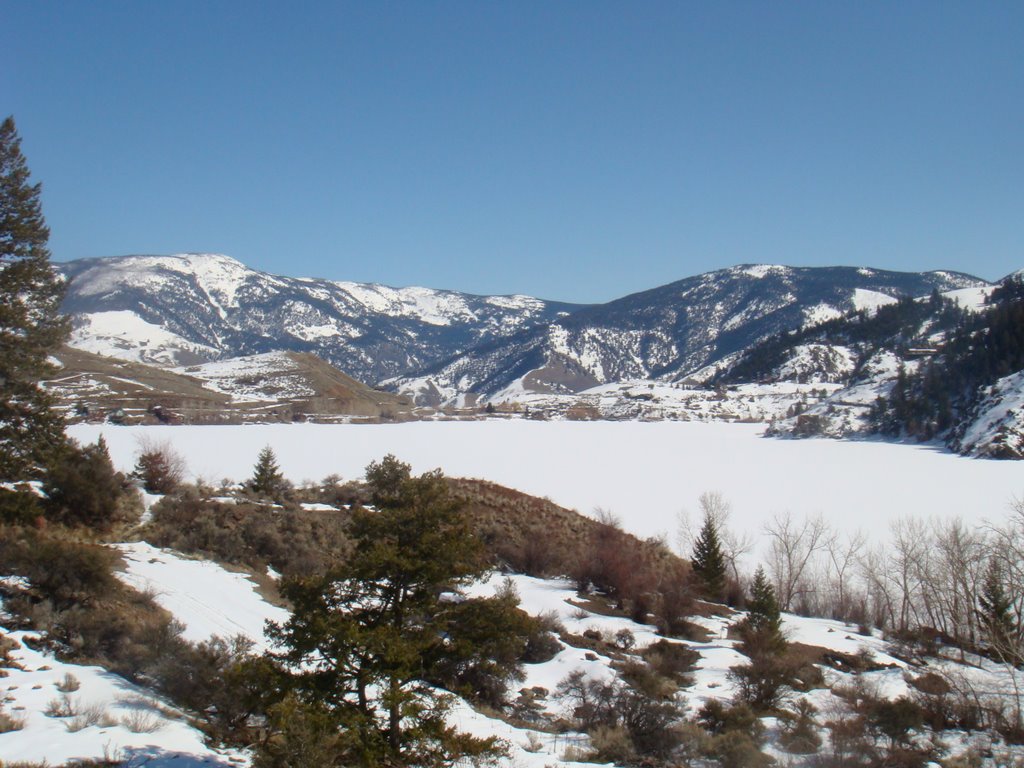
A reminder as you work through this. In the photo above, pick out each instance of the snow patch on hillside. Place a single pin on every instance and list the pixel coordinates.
(267, 377)
(126, 336)
(997, 429)
(165, 739)
(972, 299)
(870, 301)
(763, 270)
(205, 597)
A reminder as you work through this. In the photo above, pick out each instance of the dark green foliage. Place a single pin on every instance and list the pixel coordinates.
(760, 682)
(31, 326)
(895, 719)
(718, 718)
(267, 479)
(708, 562)
(762, 629)
(20, 506)
(63, 572)
(219, 680)
(363, 637)
(735, 749)
(979, 350)
(83, 488)
(298, 543)
(475, 661)
(304, 734)
(995, 611)
(800, 730)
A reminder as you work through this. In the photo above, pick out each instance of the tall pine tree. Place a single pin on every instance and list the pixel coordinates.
(996, 614)
(364, 637)
(707, 560)
(267, 479)
(31, 326)
(762, 629)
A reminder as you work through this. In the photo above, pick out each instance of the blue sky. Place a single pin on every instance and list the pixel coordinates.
(571, 150)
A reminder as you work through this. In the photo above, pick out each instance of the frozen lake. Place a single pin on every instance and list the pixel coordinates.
(643, 472)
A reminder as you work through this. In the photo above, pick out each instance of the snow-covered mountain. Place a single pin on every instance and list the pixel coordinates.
(669, 333)
(933, 368)
(443, 347)
(191, 308)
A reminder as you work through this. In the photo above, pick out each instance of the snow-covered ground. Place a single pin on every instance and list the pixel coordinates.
(645, 473)
(114, 718)
(270, 377)
(131, 723)
(206, 598)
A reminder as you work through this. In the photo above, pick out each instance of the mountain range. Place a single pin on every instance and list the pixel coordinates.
(687, 350)
(439, 345)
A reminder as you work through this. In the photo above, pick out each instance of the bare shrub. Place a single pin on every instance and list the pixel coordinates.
(534, 743)
(141, 720)
(69, 684)
(64, 706)
(88, 715)
(10, 722)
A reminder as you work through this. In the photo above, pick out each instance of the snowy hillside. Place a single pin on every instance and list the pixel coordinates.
(270, 387)
(668, 333)
(197, 307)
(129, 723)
(922, 369)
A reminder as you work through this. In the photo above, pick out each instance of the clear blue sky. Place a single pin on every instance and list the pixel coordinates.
(571, 150)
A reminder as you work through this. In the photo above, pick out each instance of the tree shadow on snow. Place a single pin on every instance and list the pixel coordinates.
(156, 757)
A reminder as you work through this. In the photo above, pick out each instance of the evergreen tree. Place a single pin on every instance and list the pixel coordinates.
(707, 560)
(760, 683)
(996, 611)
(364, 637)
(762, 629)
(31, 326)
(83, 488)
(267, 479)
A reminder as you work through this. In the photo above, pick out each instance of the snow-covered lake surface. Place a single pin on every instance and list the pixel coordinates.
(646, 473)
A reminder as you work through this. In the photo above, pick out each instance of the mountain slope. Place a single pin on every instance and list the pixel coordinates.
(670, 332)
(185, 309)
(948, 367)
(275, 386)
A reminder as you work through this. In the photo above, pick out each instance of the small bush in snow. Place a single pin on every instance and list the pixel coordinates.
(10, 722)
(69, 684)
(625, 639)
(160, 468)
(89, 715)
(64, 706)
(139, 720)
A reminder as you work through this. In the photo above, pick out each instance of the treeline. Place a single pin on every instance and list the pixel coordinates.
(929, 399)
(898, 326)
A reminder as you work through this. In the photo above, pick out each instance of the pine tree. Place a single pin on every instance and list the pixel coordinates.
(996, 611)
(762, 630)
(267, 479)
(707, 560)
(364, 637)
(31, 326)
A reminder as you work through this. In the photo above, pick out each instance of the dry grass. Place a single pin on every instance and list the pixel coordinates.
(141, 720)
(69, 684)
(64, 706)
(88, 715)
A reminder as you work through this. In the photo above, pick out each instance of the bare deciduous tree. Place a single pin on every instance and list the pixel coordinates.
(793, 546)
